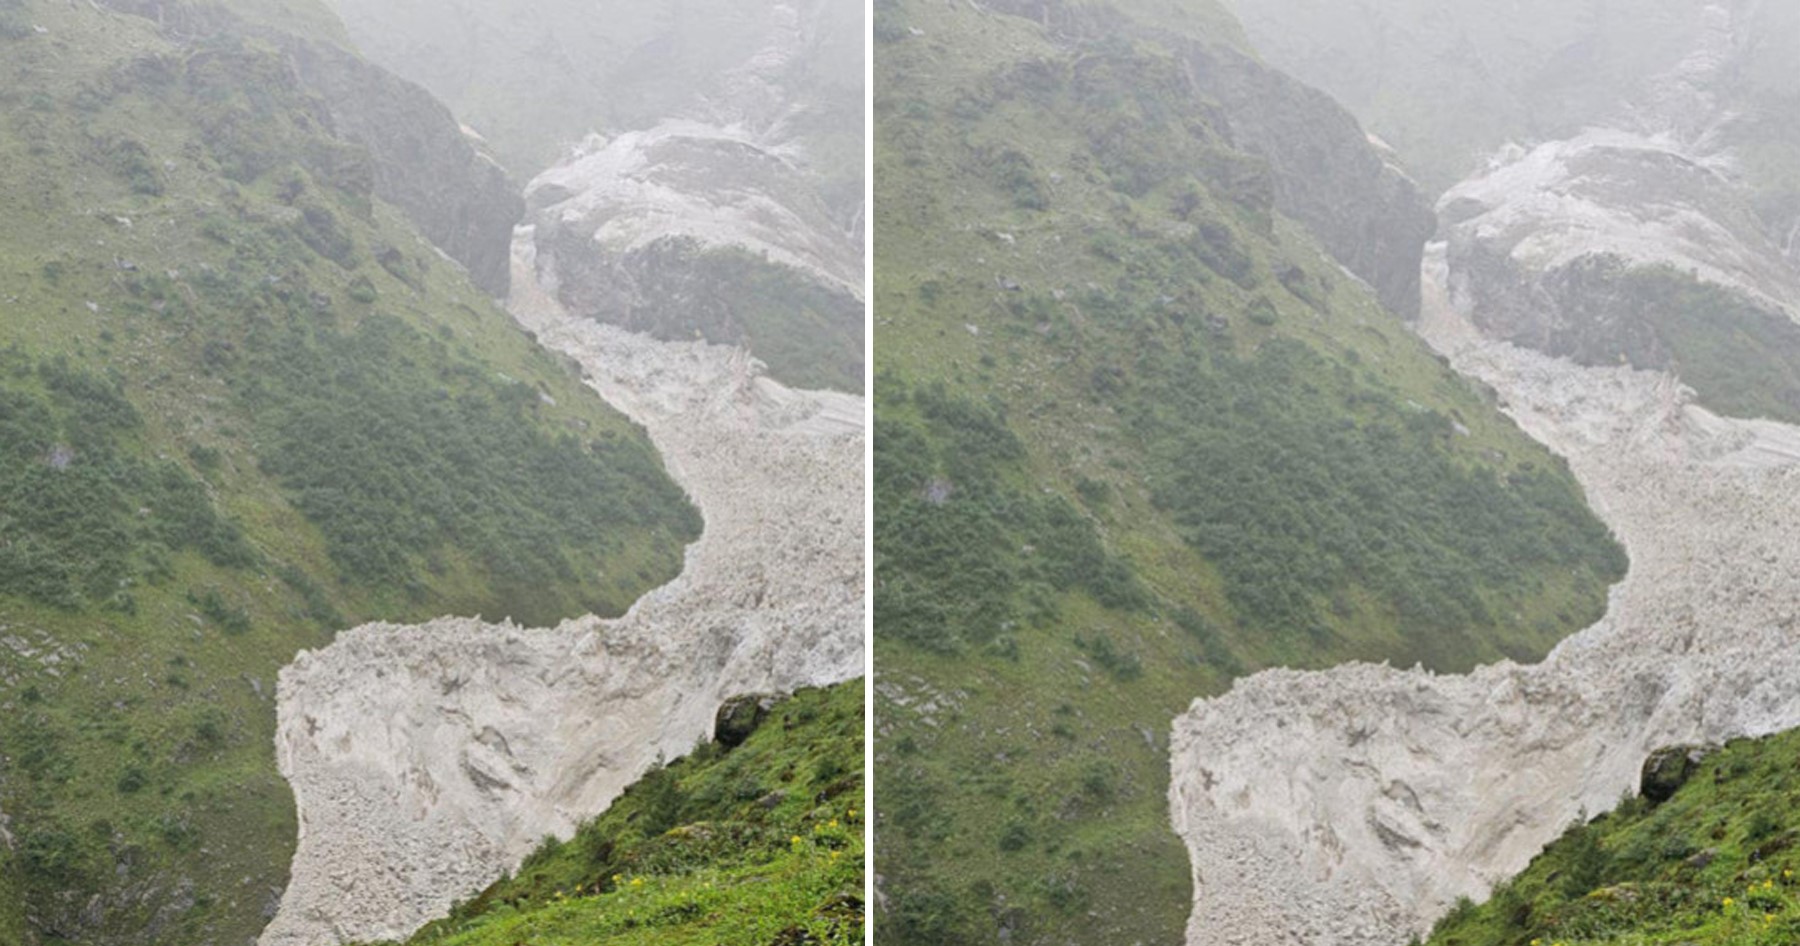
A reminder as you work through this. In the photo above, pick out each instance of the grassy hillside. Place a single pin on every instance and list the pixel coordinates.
(1715, 864)
(749, 846)
(242, 404)
(1137, 435)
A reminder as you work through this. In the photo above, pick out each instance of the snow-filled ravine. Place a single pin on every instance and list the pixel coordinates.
(427, 760)
(1354, 806)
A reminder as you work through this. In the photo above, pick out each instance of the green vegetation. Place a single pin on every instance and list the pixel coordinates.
(242, 405)
(1716, 864)
(1136, 435)
(71, 494)
(1740, 358)
(809, 334)
(755, 845)
(1323, 502)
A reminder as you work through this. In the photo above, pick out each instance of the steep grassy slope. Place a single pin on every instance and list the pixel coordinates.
(1714, 864)
(747, 846)
(1136, 434)
(242, 404)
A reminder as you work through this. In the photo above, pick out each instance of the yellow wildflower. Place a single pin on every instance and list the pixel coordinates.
(637, 881)
(1729, 902)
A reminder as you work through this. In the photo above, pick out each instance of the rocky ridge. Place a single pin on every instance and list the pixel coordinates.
(427, 759)
(724, 218)
(418, 157)
(1353, 806)
(1521, 235)
(716, 186)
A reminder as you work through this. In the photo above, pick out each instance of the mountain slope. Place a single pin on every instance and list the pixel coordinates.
(1447, 84)
(1619, 179)
(1138, 432)
(1713, 863)
(697, 166)
(246, 404)
(755, 837)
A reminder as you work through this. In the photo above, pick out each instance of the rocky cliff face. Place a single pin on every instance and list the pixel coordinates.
(423, 161)
(1354, 806)
(1322, 168)
(420, 158)
(704, 161)
(1539, 245)
(536, 76)
(691, 229)
(426, 760)
(1365, 210)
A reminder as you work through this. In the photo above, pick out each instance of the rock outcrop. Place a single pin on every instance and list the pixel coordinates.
(1666, 770)
(420, 159)
(424, 163)
(1540, 247)
(1353, 806)
(693, 230)
(426, 760)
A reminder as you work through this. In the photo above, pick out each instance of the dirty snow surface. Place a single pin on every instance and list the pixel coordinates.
(1353, 806)
(427, 760)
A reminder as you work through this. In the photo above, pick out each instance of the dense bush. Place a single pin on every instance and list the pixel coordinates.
(1300, 484)
(71, 488)
(962, 553)
(404, 457)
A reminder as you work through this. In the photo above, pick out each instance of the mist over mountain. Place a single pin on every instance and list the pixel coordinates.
(697, 165)
(1096, 230)
(340, 563)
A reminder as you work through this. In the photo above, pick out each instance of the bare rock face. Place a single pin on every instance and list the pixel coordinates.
(1541, 247)
(423, 162)
(427, 760)
(1354, 806)
(1322, 169)
(690, 229)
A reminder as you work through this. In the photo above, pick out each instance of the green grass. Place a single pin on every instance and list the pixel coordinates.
(809, 334)
(285, 413)
(760, 844)
(1715, 865)
(1740, 358)
(1136, 435)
